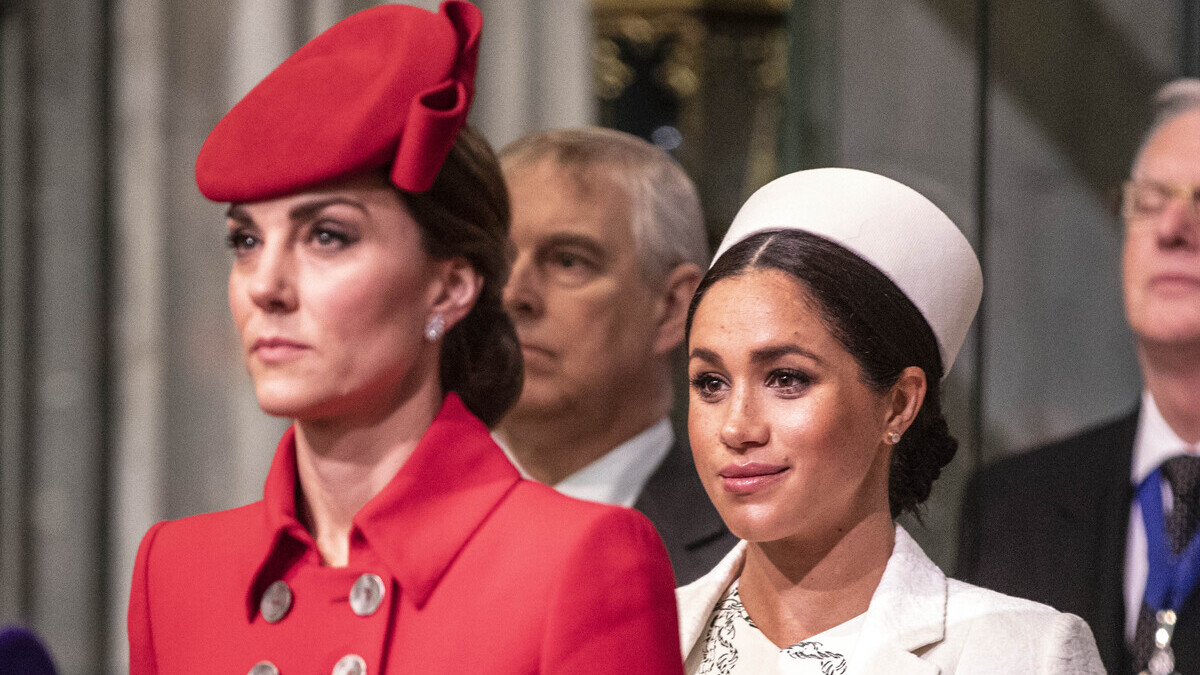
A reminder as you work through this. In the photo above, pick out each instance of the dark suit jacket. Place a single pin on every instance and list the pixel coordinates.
(1050, 525)
(675, 501)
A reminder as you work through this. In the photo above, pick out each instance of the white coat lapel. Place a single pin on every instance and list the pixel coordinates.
(697, 600)
(907, 612)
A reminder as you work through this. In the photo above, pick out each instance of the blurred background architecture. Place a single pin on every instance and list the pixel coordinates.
(122, 396)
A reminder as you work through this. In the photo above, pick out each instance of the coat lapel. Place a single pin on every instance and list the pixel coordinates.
(697, 599)
(1091, 530)
(1109, 613)
(894, 660)
(907, 612)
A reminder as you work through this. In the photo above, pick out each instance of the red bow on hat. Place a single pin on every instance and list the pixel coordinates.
(390, 85)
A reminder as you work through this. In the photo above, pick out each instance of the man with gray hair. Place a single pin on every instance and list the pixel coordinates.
(1103, 524)
(610, 245)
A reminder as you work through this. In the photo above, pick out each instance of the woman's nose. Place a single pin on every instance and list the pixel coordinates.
(272, 284)
(744, 425)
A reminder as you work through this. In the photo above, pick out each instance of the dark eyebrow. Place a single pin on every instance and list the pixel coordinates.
(772, 353)
(763, 355)
(238, 212)
(706, 355)
(307, 210)
(299, 212)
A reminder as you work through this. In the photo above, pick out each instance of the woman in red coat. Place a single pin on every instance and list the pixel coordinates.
(369, 231)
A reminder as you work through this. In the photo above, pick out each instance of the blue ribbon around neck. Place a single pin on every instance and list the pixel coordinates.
(1171, 577)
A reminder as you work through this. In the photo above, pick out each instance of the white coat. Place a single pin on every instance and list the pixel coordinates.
(921, 623)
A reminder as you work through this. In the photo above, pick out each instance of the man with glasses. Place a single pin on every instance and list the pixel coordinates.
(1103, 524)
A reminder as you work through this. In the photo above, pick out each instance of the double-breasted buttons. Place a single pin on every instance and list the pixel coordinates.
(264, 668)
(366, 595)
(350, 664)
(275, 603)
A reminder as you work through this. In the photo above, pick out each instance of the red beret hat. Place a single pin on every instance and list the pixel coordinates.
(390, 85)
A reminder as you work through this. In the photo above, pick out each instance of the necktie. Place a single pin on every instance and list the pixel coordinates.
(1183, 475)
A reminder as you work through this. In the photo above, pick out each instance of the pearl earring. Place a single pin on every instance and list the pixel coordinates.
(893, 437)
(435, 327)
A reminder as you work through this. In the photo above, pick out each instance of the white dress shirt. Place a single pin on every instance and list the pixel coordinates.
(1154, 444)
(619, 475)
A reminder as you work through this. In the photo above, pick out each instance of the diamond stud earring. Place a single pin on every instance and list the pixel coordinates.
(435, 327)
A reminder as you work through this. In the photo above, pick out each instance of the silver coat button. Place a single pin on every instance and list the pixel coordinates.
(350, 664)
(275, 603)
(366, 595)
(264, 668)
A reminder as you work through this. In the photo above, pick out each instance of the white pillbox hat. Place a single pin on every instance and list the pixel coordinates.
(886, 223)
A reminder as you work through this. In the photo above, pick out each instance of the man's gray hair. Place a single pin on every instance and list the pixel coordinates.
(1173, 99)
(667, 223)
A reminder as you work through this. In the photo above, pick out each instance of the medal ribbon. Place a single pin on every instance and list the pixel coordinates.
(1171, 577)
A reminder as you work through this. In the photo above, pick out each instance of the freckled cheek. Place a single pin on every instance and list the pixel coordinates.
(815, 442)
(704, 427)
(807, 450)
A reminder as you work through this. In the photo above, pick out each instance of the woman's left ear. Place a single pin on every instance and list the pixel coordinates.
(455, 292)
(906, 395)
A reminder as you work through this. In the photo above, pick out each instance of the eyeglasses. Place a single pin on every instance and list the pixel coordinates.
(1142, 199)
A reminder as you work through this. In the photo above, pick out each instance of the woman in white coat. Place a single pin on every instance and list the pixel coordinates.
(817, 343)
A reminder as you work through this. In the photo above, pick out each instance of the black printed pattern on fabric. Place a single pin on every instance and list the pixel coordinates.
(721, 655)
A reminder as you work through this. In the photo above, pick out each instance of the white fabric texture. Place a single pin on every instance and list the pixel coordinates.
(617, 477)
(886, 223)
(1154, 444)
(732, 644)
(920, 622)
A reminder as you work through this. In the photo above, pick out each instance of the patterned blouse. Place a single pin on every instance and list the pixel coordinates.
(733, 645)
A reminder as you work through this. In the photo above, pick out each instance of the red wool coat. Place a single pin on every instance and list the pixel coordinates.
(483, 572)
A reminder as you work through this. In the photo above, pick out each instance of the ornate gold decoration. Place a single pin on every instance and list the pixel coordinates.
(724, 64)
(747, 6)
(680, 71)
(611, 75)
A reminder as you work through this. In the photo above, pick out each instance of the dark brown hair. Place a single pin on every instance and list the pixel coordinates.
(465, 214)
(880, 327)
